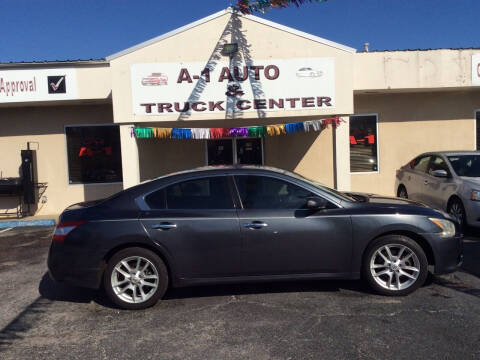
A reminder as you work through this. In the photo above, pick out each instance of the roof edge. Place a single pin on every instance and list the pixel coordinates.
(53, 63)
(300, 33)
(221, 13)
(168, 34)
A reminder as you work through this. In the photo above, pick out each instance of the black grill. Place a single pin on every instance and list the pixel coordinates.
(11, 186)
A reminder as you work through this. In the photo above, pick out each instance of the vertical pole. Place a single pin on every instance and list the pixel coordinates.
(341, 153)
(130, 160)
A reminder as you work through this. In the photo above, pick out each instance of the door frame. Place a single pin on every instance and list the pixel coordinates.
(234, 148)
(476, 117)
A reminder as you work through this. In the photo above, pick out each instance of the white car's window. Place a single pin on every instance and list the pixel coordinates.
(466, 165)
(438, 164)
(421, 164)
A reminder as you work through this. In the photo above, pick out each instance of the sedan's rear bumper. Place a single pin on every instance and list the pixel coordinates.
(447, 252)
(75, 268)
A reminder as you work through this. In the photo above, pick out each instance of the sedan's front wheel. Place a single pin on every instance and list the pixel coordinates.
(135, 278)
(395, 265)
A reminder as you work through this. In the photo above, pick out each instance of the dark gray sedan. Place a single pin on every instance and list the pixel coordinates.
(244, 224)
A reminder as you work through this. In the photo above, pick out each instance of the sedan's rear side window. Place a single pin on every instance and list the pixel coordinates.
(262, 192)
(204, 193)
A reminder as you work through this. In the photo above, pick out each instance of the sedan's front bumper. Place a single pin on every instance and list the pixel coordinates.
(472, 208)
(447, 252)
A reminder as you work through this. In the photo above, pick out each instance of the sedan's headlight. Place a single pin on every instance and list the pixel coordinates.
(446, 226)
(475, 195)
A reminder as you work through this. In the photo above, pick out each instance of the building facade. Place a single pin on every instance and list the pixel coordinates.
(369, 112)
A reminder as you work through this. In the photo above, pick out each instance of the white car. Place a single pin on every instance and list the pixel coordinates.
(309, 72)
(155, 79)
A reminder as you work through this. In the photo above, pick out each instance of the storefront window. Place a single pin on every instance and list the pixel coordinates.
(363, 143)
(94, 154)
(246, 151)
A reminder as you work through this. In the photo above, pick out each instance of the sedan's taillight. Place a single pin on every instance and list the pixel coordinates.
(65, 228)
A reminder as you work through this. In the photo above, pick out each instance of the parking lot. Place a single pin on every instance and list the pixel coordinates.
(303, 320)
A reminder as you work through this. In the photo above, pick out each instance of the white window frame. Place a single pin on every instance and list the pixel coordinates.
(234, 148)
(476, 116)
(377, 141)
(66, 155)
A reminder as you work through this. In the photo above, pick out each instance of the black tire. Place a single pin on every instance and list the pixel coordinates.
(155, 267)
(402, 192)
(457, 210)
(395, 243)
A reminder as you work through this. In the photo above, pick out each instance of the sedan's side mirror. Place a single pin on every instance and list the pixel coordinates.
(440, 173)
(316, 203)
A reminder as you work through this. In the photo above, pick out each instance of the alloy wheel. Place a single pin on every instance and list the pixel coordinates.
(135, 279)
(456, 211)
(395, 267)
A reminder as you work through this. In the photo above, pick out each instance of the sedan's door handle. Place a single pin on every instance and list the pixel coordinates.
(425, 182)
(255, 225)
(164, 226)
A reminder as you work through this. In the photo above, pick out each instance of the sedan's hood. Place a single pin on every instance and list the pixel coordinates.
(378, 199)
(473, 182)
(371, 203)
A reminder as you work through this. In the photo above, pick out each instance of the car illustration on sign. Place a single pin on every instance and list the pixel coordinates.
(309, 72)
(155, 79)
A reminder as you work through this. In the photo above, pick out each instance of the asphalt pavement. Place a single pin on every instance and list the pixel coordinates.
(290, 320)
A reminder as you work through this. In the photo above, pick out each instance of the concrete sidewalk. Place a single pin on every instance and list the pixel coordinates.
(40, 220)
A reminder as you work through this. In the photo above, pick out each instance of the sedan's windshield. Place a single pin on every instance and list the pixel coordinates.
(466, 165)
(322, 187)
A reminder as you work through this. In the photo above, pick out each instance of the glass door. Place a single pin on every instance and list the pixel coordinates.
(249, 151)
(244, 151)
(220, 152)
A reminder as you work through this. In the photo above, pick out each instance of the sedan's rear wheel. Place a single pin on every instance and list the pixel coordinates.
(395, 265)
(135, 278)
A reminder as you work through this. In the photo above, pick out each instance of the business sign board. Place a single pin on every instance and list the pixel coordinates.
(260, 86)
(476, 70)
(38, 85)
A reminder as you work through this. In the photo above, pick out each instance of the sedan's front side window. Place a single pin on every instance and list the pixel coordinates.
(438, 164)
(421, 164)
(262, 192)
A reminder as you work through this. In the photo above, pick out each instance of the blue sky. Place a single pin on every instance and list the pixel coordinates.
(35, 30)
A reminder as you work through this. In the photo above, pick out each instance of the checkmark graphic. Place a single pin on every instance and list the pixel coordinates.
(57, 85)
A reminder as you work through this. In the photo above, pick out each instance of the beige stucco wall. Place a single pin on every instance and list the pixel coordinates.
(94, 82)
(161, 157)
(428, 69)
(410, 124)
(198, 45)
(45, 125)
(309, 154)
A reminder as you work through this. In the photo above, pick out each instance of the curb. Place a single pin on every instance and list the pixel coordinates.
(25, 223)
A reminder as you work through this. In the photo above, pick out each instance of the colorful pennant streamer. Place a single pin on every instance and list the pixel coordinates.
(250, 6)
(217, 133)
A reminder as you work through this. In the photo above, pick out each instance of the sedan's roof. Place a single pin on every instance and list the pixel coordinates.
(222, 168)
(453, 152)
